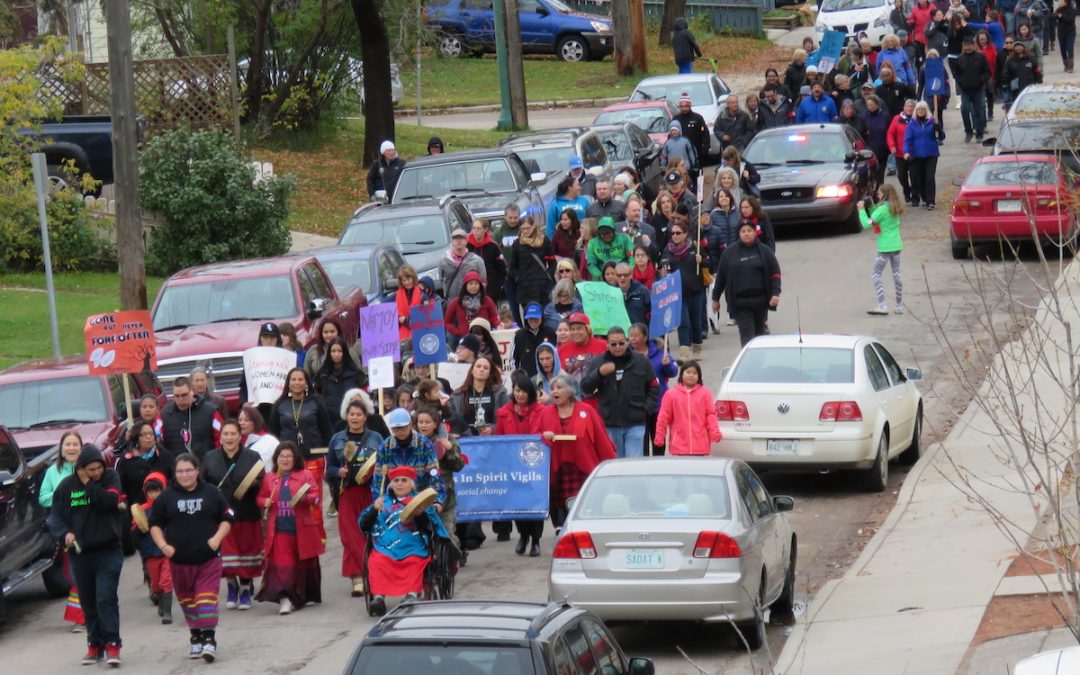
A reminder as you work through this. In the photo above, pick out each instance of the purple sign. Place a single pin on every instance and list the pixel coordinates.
(379, 332)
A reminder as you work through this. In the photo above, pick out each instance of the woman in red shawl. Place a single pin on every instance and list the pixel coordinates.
(586, 445)
(521, 417)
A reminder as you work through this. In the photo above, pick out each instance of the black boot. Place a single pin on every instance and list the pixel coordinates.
(165, 608)
(209, 648)
(534, 552)
(520, 549)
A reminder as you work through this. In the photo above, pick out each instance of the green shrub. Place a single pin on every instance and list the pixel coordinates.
(202, 183)
(73, 242)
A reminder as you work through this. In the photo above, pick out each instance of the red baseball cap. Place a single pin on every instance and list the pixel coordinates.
(578, 317)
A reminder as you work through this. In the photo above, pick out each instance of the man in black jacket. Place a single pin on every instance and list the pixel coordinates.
(86, 518)
(189, 423)
(605, 204)
(685, 46)
(775, 110)
(972, 74)
(733, 126)
(626, 386)
(385, 171)
(696, 130)
(529, 337)
(1020, 71)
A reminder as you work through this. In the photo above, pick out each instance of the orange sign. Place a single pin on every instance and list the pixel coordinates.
(120, 342)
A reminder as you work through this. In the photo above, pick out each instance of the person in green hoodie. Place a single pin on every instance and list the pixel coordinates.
(884, 219)
(608, 245)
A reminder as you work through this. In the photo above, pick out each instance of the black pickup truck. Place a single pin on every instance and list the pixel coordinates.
(85, 140)
(26, 547)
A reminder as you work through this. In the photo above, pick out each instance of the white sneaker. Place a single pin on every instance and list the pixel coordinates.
(880, 310)
(731, 322)
(286, 606)
(209, 652)
(899, 309)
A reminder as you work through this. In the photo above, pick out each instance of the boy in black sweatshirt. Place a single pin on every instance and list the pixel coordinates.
(87, 519)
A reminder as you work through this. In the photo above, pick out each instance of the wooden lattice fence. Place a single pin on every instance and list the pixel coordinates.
(168, 92)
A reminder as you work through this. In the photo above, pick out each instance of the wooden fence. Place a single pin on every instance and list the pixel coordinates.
(168, 92)
(743, 17)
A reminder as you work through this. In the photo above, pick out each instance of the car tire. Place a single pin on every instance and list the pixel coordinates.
(451, 46)
(785, 604)
(959, 248)
(911, 455)
(56, 583)
(753, 631)
(876, 478)
(60, 177)
(572, 48)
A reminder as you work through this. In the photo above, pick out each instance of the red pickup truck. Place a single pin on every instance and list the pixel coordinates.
(208, 315)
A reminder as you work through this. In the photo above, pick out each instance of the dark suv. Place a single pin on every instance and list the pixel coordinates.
(476, 637)
(552, 149)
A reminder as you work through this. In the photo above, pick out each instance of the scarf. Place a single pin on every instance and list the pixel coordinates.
(679, 251)
(647, 277)
(535, 241)
(479, 244)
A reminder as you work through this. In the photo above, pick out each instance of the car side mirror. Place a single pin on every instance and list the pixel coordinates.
(640, 665)
(570, 502)
(959, 180)
(541, 10)
(391, 284)
(724, 372)
(989, 142)
(783, 503)
(315, 309)
(866, 154)
(850, 157)
(6, 478)
(913, 374)
(537, 177)
(380, 196)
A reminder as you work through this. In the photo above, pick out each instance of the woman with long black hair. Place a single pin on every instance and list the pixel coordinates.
(521, 416)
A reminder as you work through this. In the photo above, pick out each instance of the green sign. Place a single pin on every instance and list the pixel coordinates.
(604, 306)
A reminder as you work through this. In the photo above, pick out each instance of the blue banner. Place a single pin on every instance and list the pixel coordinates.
(506, 479)
(666, 305)
(936, 79)
(828, 52)
(428, 334)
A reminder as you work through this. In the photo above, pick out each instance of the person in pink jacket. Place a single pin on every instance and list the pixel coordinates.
(687, 409)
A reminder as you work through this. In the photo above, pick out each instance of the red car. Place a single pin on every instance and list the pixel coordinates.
(653, 117)
(40, 400)
(1013, 197)
(209, 315)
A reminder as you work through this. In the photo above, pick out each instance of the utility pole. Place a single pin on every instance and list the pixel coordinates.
(620, 18)
(505, 122)
(519, 108)
(637, 32)
(130, 247)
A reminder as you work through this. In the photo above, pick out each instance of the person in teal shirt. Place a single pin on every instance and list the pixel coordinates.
(70, 447)
(608, 245)
(884, 219)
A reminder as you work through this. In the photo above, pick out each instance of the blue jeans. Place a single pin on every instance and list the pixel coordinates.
(973, 110)
(693, 312)
(1010, 23)
(97, 576)
(685, 67)
(1066, 42)
(629, 441)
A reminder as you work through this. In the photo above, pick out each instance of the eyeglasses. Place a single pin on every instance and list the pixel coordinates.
(622, 276)
(619, 343)
(677, 233)
(566, 271)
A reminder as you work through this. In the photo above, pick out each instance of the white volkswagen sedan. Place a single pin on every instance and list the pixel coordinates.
(820, 402)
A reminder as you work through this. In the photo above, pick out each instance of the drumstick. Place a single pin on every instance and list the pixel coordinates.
(223, 478)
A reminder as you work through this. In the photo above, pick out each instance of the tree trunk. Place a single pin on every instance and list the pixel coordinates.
(259, 39)
(673, 9)
(637, 32)
(624, 39)
(375, 50)
(519, 108)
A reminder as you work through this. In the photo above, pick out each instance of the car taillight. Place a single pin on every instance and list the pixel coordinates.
(834, 192)
(716, 545)
(576, 545)
(968, 204)
(840, 411)
(1046, 203)
(732, 411)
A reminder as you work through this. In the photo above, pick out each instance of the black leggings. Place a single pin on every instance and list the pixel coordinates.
(903, 169)
(530, 529)
(751, 323)
(923, 179)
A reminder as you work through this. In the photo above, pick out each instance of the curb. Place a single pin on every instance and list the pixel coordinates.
(535, 105)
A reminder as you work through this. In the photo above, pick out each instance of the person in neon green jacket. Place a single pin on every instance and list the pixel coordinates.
(884, 219)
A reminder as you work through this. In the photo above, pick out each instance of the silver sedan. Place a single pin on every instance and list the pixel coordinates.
(677, 538)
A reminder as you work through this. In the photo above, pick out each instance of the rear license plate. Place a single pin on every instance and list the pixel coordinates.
(1008, 206)
(783, 446)
(644, 559)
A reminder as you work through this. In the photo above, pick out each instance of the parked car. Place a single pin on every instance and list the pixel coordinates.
(485, 180)
(501, 638)
(1030, 134)
(652, 117)
(1052, 662)
(677, 539)
(547, 27)
(708, 96)
(209, 315)
(420, 229)
(40, 400)
(820, 402)
(1045, 101)
(857, 19)
(27, 550)
(85, 140)
(627, 145)
(1016, 198)
(371, 269)
(812, 173)
(552, 149)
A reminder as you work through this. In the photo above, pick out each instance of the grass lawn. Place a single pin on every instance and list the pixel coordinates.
(473, 81)
(331, 180)
(24, 324)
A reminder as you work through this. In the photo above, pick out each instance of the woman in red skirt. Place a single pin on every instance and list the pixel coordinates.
(349, 449)
(290, 498)
(241, 551)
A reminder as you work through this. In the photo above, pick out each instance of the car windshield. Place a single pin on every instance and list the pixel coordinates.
(260, 298)
(699, 92)
(652, 120)
(789, 365)
(654, 496)
(797, 147)
(484, 175)
(547, 158)
(1012, 173)
(1053, 103)
(443, 656)
(847, 5)
(411, 234)
(348, 273)
(74, 399)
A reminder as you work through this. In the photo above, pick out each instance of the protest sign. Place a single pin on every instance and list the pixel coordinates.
(265, 369)
(666, 305)
(828, 53)
(379, 332)
(381, 372)
(505, 340)
(120, 342)
(604, 306)
(935, 78)
(506, 478)
(428, 334)
(454, 373)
